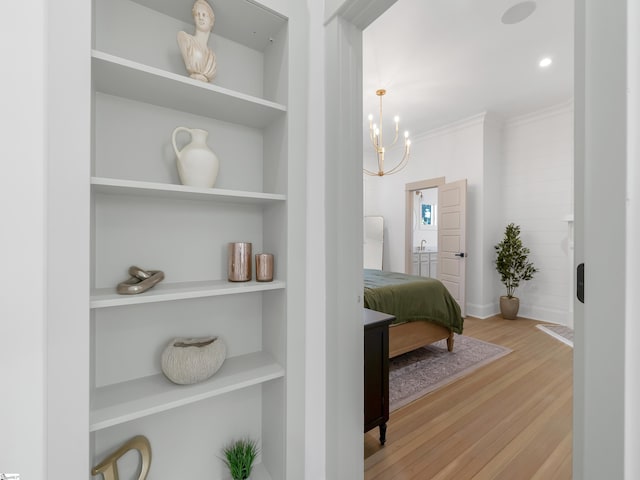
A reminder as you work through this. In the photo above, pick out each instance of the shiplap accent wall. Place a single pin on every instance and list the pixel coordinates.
(519, 170)
(537, 169)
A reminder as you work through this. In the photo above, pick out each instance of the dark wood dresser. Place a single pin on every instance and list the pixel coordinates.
(376, 371)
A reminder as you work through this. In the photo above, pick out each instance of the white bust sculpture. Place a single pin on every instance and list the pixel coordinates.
(198, 57)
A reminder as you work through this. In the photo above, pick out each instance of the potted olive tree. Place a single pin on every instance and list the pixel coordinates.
(239, 457)
(513, 266)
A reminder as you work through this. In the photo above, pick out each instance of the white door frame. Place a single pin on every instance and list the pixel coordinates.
(599, 435)
(606, 422)
(343, 236)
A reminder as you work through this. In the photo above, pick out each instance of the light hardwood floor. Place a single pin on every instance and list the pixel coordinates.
(511, 419)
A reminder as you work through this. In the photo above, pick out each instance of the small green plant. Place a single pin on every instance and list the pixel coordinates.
(511, 260)
(239, 457)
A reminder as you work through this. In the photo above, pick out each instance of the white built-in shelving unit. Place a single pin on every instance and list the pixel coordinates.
(142, 215)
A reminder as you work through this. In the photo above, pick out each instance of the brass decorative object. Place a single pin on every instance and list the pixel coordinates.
(239, 262)
(109, 466)
(140, 281)
(264, 267)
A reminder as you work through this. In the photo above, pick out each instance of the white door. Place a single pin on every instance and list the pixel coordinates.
(452, 208)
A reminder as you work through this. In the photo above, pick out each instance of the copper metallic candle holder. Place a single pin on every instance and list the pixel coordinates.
(239, 262)
(264, 267)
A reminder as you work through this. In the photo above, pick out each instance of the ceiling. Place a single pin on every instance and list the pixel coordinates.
(445, 60)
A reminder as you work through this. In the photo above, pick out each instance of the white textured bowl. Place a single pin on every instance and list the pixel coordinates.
(192, 360)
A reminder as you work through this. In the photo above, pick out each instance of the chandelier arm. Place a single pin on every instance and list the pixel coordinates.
(396, 169)
(373, 140)
(395, 139)
(400, 165)
(403, 163)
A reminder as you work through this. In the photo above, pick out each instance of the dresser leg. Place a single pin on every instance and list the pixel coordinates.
(383, 433)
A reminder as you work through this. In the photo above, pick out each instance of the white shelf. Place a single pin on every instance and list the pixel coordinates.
(107, 297)
(126, 401)
(134, 187)
(125, 78)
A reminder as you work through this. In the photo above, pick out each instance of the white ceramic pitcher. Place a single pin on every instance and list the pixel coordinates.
(197, 164)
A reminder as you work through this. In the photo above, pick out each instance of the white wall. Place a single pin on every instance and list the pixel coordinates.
(68, 168)
(491, 223)
(315, 368)
(632, 334)
(537, 189)
(22, 241)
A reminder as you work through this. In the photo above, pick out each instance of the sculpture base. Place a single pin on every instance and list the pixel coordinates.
(199, 76)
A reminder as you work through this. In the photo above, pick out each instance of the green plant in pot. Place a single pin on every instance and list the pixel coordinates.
(513, 266)
(239, 457)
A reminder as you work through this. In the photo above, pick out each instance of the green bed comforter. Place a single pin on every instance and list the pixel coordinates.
(411, 298)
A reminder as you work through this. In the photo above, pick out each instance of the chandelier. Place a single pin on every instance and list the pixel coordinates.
(375, 133)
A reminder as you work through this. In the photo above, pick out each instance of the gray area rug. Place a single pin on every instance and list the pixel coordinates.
(426, 369)
(559, 332)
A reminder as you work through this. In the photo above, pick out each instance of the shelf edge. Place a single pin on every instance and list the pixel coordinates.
(114, 300)
(145, 412)
(106, 184)
(158, 72)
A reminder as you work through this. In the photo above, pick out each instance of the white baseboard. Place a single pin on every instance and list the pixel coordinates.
(482, 311)
(561, 317)
(555, 335)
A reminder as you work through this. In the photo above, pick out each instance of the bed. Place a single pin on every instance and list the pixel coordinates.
(424, 309)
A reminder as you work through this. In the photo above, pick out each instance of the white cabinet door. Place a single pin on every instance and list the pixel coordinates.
(424, 264)
(415, 264)
(433, 265)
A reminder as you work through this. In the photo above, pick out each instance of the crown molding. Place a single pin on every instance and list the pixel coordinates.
(543, 113)
(472, 121)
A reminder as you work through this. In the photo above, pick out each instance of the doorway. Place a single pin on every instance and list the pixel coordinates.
(598, 437)
(418, 196)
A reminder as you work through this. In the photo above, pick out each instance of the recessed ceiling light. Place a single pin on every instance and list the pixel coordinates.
(545, 62)
(518, 12)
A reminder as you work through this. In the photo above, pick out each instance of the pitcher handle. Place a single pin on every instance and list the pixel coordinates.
(173, 138)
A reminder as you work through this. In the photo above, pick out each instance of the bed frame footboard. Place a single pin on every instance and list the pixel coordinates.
(405, 337)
